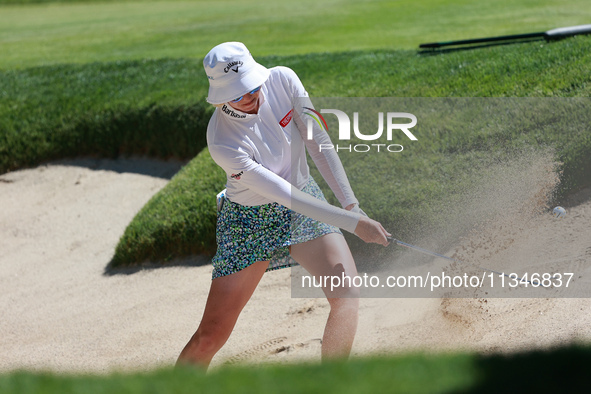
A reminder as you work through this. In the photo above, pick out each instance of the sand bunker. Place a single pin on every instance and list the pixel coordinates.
(59, 226)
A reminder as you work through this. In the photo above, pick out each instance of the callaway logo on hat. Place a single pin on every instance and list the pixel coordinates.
(232, 72)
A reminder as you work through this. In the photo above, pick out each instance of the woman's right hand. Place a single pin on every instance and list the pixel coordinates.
(371, 231)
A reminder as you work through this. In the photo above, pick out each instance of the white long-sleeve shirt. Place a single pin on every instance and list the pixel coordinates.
(264, 154)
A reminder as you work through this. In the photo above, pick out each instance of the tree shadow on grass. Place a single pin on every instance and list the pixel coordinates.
(562, 370)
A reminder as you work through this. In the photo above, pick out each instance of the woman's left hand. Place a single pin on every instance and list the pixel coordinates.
(372, 231)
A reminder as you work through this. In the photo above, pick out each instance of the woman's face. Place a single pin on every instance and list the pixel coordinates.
(249, 104)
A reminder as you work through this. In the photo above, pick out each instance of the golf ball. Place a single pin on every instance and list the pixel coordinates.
(559, 212)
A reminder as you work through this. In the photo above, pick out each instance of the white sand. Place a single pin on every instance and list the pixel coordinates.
(59, 225)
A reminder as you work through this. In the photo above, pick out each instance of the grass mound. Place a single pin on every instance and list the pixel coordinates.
(410, 187)
(157, 108)
(177, 221)
(152, 108)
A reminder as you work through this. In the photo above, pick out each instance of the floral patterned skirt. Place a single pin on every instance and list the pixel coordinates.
(247, 234)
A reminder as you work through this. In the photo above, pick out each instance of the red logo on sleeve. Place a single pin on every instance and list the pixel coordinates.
(286, 119)
(237, 176)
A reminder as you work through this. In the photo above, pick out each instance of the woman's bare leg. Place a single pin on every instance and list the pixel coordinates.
(326, 256)
(227, 297)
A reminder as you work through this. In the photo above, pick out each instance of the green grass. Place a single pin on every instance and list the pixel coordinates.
(105, 109)
(177, 221)
(92, 31)
(156, 108)
(405, 194)
(112, 78)
(560, 370)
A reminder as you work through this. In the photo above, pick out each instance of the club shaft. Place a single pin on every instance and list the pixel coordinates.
(434, 254)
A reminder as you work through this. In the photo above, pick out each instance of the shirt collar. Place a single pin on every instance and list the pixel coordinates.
(235, 114)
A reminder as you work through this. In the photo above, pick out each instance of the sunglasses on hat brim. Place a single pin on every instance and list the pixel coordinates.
(253, 91)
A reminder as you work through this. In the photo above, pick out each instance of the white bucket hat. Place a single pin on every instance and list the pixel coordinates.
(232, 72)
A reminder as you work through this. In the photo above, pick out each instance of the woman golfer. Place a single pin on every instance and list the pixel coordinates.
(274, 212)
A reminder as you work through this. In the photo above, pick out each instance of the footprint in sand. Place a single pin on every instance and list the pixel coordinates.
(255, 353)
(274, 348)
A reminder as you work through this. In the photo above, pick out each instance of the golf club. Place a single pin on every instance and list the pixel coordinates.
(398, 242)
(554, 34)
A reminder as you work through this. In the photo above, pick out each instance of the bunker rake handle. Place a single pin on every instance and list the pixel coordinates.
(554, 34)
